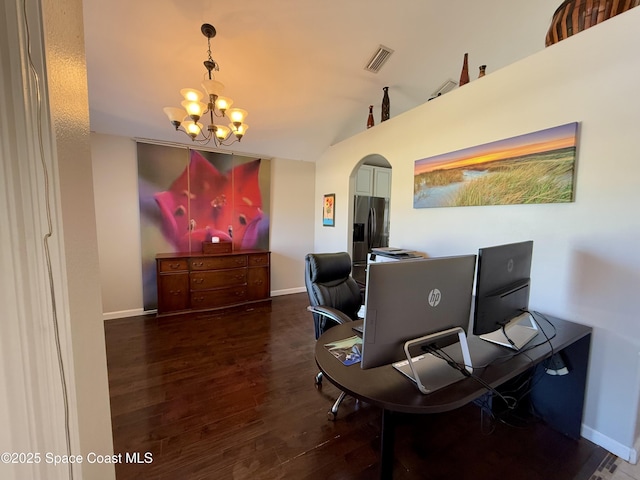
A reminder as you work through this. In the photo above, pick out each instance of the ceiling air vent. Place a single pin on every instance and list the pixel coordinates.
(378, 59)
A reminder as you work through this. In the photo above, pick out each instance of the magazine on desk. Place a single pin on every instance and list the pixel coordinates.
(348, 351)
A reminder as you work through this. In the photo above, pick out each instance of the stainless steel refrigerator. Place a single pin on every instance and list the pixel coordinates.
(370, 230)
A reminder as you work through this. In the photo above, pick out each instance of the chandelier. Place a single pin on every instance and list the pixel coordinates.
(186, 119)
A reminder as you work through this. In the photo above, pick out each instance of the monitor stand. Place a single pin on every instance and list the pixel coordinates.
(515, 334)
(429, 372)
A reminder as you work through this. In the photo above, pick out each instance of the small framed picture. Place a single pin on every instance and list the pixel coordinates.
(328, 210)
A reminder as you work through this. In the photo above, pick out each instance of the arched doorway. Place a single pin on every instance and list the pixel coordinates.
(370, 203)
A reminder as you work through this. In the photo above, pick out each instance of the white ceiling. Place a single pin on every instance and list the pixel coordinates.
(297, 66)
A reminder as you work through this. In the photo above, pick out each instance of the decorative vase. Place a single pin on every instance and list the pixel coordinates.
(574, 16)
(385, 105)
(370, 118)
(483, 71)
(464, 75)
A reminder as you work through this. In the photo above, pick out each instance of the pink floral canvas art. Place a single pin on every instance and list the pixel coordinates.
(203, 203)
(187, 197)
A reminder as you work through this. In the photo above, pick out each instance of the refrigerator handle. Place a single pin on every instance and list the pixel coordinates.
(374, 222)
(369, 229)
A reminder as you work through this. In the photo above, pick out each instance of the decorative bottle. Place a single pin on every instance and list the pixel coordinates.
(385, 105)
(370, 118)
(464, 75)
(482, 72)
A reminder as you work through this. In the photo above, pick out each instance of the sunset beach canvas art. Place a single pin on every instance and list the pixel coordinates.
(537, 167)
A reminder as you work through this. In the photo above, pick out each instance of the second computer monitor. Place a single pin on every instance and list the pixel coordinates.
(502, 285)
(408, 299)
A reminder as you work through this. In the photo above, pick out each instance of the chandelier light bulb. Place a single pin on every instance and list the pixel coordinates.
(223, 104)
(192, 128)
(239, 130)
(237, 116)
(191, 94)
(194, 109)
(222, 132)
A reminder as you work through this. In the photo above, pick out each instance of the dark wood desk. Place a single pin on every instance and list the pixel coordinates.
(558, 399)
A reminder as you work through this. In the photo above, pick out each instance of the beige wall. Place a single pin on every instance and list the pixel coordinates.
(118, 223)
(115, 186)
(586, 262)
(292, 194)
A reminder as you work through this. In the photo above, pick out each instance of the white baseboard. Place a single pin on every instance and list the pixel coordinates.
(139, 311)
(288, 291)
(127, 313)
(627, 454)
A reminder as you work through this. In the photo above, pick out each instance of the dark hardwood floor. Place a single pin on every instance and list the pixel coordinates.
(231, 396)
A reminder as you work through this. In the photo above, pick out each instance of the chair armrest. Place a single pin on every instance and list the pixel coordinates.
(332, 313)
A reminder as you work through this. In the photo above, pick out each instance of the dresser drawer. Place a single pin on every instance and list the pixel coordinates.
(258, 283)
(173, 265)
(217, 279)
(218, 262)
(173, 292)
(258, 259)
(218, 298)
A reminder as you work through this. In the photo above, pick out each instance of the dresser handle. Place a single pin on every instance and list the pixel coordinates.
(198, 280)
(174, 266)
(175, 292)
(198, 264)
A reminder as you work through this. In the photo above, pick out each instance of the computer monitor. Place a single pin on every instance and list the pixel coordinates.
(502, 287)
(408, 299)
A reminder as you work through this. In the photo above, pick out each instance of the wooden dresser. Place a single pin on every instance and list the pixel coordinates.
(189, 282)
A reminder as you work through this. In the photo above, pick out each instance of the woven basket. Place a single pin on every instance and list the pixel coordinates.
(573, 16)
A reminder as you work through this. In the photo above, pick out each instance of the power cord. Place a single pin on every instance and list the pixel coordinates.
(45, 240)
(504, 332)
(438, 352)
(510, 398)
(523, 351)
(487, 426)
(534, 319)
(535, 377)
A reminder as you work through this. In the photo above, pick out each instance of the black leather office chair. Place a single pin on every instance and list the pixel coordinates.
(334, 295)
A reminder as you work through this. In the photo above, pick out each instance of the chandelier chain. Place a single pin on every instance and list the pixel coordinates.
(215, 65)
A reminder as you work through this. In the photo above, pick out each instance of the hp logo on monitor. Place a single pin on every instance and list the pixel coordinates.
(434, 297)
(510, 265)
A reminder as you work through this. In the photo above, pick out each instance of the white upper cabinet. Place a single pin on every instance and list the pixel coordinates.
(373, 181)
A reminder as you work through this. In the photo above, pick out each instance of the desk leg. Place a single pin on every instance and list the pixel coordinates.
(387, 441)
